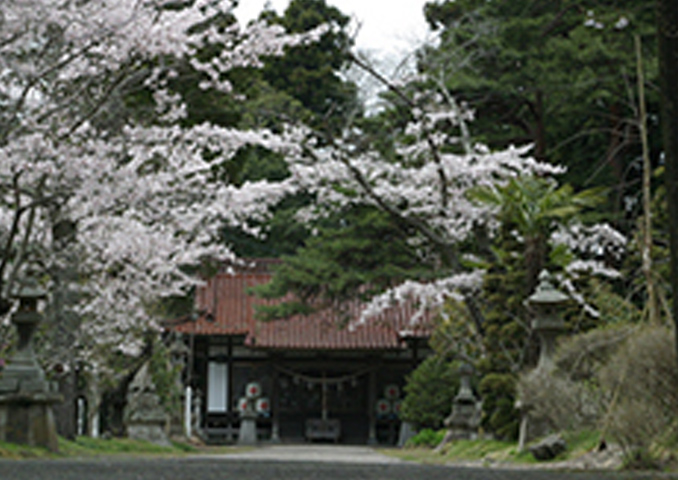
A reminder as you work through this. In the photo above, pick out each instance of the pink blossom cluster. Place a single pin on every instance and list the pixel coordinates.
(142, 196)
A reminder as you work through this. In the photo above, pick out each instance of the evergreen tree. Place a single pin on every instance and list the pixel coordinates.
(557, 74)
(311, 73)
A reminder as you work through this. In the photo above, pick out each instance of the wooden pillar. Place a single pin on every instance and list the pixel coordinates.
(229, 392)
(371, 406)
(275, 405)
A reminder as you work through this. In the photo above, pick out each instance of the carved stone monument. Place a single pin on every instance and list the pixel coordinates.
(26, 397)
(145, 418)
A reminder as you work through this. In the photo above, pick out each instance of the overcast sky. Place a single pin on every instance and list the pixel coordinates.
(388, 26)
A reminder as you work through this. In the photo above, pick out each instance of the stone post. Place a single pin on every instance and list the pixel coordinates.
(26, 397)
(188, 404)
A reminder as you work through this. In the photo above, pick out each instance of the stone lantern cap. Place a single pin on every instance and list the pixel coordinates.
(545, 301)
(546, 294)
(28, 293)
(30, 290)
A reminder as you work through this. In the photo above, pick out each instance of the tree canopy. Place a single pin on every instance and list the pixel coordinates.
(559, 75)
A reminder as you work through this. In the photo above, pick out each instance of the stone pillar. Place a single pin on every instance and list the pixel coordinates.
(197, 414)
(188, 410)
(248, 427)
(407, 431)
(26, 397)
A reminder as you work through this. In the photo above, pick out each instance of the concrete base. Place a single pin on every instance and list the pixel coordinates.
(29, 420)
(248, 431)
(407, 431)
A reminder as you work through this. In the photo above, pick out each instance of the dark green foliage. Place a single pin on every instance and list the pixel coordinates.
(427, 438)
(558, 74)
(356, 254)
(303, 85)
(498, 391)
(165, 377)
(282, 234)
(429, 392)
(530, 209)
(309, 73)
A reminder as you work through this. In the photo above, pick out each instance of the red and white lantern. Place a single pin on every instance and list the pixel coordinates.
(253, 390)
(383, 407)
(263, 406)
(392, 392)
(397, 406)
(242, 404)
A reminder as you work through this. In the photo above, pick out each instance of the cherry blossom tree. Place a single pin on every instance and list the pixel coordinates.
(113, 205)
(429, 184)
(426, 185)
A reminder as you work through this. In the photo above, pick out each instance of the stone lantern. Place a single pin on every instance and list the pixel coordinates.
(26, 397)
(464, 420)
(547, 302)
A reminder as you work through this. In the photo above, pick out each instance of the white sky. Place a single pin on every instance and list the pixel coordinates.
(388, 26)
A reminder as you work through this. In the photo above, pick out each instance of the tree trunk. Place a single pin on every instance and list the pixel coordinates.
(540, 127)
(63, 325)
(652, 311)
(667, 30)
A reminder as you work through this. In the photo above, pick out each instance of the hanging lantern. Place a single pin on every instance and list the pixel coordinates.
(242, 404)
(397, 406)
(392, 392)
(253, 390)
(263, 406)
(383, 407)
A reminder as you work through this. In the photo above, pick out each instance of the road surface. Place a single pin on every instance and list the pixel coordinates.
(312, 462)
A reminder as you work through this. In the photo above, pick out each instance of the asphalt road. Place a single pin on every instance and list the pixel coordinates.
(279, 463)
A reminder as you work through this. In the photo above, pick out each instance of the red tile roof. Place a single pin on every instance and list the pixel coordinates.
(227, 308)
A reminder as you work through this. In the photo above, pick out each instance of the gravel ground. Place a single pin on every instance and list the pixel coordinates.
(278, 463)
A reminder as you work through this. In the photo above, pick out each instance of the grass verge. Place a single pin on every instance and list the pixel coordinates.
(91, 447)
(493, 451)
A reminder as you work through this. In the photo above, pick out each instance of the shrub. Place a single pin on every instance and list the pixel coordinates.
(429, 392)
(498, 391)
(557, 403)
(427, 438)
(642, 384)
(581, 357)
(621, 380)
(570, 397)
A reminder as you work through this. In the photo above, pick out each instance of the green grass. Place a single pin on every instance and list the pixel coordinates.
(88, 447)
(490, 451)
(14, 451)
